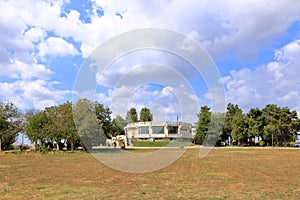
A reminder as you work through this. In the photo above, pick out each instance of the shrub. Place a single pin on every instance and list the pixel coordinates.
(262, 143)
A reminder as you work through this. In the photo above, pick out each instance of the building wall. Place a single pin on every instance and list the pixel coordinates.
(156, 130)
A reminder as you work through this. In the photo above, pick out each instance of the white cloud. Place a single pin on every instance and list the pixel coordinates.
(56, 46)
(164, 100)
(38, 94)
(19, 69)
(224, 28)
(35, 34)
(276, 82)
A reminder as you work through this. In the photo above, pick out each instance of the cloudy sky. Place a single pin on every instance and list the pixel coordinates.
(255, 46)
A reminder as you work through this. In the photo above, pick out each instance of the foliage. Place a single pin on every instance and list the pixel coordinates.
(11, 123)
(52, 125)
(36, 127)
(256, 122)
(87, 123)
(103, 117)
(131, 116)
(228, 125)
(118, 125)
(273, 125)
(145, 115)
(204, 118)
(66, 124)
(282, 125)
(239, 127)
(216, 128)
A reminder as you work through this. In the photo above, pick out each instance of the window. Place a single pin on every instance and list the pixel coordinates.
(144, 130)
(158, 129)
(172, 129)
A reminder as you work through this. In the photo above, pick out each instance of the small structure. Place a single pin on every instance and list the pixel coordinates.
(158, 131)
(118, 141)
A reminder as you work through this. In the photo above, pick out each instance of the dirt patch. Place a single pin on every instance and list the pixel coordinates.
(223, 174)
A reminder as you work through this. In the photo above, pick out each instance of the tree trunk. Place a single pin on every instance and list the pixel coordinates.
(57, 146)
(72, 146)
(0, 143)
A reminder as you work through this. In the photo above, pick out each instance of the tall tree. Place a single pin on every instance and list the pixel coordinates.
(256, 122)
(52, 128)
(216, 129)
(282, 125)
(87, 116)
(10, 124)
(204, 119)
(35, 127)
(239, 127)
(231, 110)
(67, 125)
(131, 116)
(103, 117)
(87, 124)
(145, 115)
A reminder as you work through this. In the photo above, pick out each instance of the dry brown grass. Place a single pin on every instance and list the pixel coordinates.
(224, 174)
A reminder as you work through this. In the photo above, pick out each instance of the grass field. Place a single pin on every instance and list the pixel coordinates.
(242, 173)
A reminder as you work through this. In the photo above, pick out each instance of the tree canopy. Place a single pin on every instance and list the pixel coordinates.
(55, 126)
(11, 124)
(204, 118)
(131, 115)
(145, 115)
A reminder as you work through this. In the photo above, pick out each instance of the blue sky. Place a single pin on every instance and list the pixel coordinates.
(255, 45)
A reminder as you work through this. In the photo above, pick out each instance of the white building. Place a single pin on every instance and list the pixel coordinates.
(158, 131)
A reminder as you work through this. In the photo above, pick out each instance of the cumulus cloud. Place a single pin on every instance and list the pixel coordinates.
(35, 34)
(38, 94)
(275, 82)
(31, 30)
(19, 69)
(166, 102)
(57, 47)
(222, 27)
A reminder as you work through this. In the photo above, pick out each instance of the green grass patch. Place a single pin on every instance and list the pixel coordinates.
(162, 143)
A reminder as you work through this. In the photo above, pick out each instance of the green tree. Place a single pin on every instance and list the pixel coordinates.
(10, 124)
(66, 124)
(204, 119)
(131, 116)
(87, 124)
(231, 110)
(52, 127)
(35, 127)
(118, 125)
(216, 129)
(104, 118)
(239, 127)
(282, 125)
(256, 122)
(145, 115)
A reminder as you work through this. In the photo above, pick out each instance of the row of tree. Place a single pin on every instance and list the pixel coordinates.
(84, 123)
(90, 123)
(272, 125)
(145, 115)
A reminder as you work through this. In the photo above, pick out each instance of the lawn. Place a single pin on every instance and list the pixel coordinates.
(241, 173)
(155, 144)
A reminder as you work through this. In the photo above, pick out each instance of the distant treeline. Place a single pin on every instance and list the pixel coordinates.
(68, 125)
(272, 125)
(88, 124)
